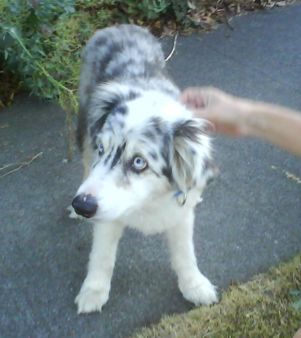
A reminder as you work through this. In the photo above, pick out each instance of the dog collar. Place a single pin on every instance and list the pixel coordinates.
(181, 197)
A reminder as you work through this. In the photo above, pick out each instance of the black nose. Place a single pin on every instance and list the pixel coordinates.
(85, 205)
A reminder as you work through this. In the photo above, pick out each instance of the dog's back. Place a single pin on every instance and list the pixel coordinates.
(126, 54)
(119, 53)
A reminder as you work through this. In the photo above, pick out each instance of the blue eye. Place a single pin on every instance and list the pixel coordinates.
(101, 149)
(138, 164)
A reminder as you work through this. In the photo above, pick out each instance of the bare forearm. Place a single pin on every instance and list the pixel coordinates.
(278, 125)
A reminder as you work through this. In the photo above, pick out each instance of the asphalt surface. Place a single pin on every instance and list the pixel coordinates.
(250, 218)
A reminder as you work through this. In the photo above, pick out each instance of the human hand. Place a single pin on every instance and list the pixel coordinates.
(227, 113)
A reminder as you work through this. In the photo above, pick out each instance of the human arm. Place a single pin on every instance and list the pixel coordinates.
(235, 116)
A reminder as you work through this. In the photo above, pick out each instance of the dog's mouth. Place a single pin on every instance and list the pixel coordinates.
(86, 215)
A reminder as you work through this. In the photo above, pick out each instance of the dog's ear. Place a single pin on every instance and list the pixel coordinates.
(191, 153)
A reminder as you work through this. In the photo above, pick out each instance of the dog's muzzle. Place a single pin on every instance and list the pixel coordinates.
(85, 205)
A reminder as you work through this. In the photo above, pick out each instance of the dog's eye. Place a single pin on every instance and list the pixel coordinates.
(138, 164)
(101, 149)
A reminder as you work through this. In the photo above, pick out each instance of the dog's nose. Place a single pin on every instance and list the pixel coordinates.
(85, 205)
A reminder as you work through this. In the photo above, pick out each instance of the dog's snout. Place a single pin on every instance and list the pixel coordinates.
(85, 205)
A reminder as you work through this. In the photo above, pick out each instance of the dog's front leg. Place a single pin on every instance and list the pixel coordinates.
(95, 290)
(194, 286)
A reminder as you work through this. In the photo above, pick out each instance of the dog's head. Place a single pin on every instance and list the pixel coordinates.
(145, 148)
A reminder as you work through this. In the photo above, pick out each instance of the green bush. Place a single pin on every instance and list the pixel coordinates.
(41, 41)
(35, 44)
(154, 9)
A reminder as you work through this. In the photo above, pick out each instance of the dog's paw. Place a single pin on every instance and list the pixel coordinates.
(73, 214)
(199, 290)
(91, 300)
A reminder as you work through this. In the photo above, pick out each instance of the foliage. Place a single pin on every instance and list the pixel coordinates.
(40, 46)
(29, 42)
(41, 41)
(154, 9)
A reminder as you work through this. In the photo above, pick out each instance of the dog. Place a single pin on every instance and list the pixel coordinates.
(146, 159)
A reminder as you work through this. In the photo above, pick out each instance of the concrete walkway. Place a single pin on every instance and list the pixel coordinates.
(249, 221)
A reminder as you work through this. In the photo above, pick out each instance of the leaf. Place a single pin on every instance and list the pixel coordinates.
(297, 305)
(295, 293)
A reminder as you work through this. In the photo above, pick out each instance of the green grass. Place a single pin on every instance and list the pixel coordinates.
(267, 306)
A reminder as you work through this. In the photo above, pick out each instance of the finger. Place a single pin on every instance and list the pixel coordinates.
(192, 98)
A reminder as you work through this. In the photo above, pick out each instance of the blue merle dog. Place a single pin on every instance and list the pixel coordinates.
(145, 159)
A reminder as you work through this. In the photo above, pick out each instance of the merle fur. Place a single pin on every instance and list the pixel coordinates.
(124, 54)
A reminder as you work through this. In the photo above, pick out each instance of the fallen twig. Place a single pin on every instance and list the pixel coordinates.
(288, 174)
(173, 47)
(19, 165)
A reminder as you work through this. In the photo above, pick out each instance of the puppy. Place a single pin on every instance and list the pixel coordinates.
(146, 160)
